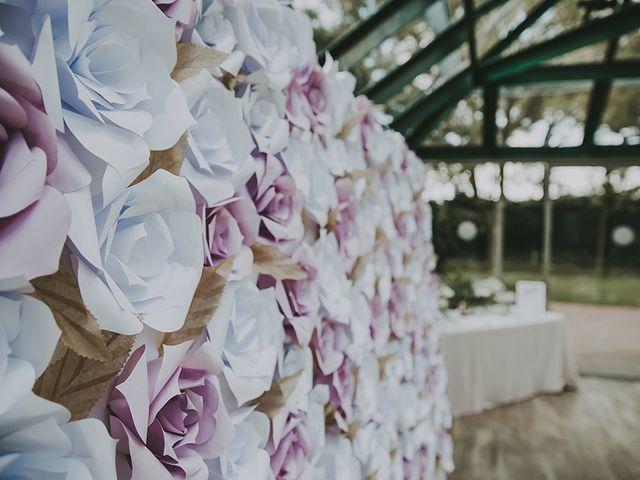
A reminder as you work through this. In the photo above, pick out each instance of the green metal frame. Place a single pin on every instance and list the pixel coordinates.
(615, 155)
(492, 71)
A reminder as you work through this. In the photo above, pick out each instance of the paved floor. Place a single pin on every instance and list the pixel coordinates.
(606, 339)
(591, 434)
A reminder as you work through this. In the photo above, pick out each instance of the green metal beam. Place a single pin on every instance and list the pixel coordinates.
(513, 35)
(594, 155)
(445, 43)
(490, 107)
(599, 97)
(357, 42)
(595, 31)
(470, 22)
(582, 71)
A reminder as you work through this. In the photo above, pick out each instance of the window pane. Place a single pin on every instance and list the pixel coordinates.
(550, 115)
(621, 120)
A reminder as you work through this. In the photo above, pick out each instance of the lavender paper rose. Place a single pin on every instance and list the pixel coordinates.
(167, 414)
(222, 235)
(36, 167)
(290, 448)
(270, 206)
(307, 102)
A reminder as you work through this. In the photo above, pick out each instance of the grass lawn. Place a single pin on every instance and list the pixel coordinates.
(568, 284)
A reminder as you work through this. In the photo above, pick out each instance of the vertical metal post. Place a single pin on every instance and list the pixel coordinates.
(547, 229)
(497, 240)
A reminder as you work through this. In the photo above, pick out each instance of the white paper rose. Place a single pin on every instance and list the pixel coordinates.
(266, 118)
(312, 176)
(151, 257)
(218, 158)
(335, 287)
(246, 457)
(338, 461)
(111, 60)
(247, 328)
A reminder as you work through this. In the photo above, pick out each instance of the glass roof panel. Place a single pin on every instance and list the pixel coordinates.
(456, 8)
(629, 46)
(332, 18)
(563, 16)
(430, 80)
(463, 125)
(495, 25)
(621, 120)
(393, 51)
(550, 115)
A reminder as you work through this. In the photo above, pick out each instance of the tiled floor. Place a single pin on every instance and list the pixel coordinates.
(591, 434)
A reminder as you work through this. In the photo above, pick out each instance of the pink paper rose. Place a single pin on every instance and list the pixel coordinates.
(168, 415)
(36, 167)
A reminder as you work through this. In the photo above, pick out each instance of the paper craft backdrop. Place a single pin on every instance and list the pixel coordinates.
(215, 262)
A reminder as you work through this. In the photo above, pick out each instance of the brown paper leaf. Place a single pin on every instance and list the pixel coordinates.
(80, 329)
(273, 400)
(351, 124)
(268, 260)
(192, 59)
(353, 430)
(78, 383)
(204, 304)
(382, 363)
(169, 160)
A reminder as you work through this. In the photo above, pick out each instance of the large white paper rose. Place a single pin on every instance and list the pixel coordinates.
(149, 260)
(218, 158)
(111, 60)
(38, 443)
(247, 328)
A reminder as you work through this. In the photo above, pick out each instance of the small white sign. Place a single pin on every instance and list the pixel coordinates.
(531, 297)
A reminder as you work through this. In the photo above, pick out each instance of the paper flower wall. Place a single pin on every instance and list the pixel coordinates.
(215, 262)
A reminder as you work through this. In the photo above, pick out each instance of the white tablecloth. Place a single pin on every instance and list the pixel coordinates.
(494, 359)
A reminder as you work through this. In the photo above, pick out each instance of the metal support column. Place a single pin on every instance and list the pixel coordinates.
(547, 228)
(497, 238)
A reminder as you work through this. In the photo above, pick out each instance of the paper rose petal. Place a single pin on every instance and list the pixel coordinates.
(23, 354)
